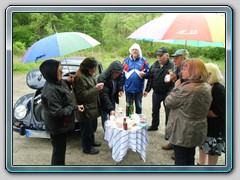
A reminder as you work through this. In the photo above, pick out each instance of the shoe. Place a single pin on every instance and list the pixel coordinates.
(92, 151)
(151, 128)
(173, 156)
(167, 146)
(95, 144)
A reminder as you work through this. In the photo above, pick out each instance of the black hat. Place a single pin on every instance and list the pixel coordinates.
(162, 51)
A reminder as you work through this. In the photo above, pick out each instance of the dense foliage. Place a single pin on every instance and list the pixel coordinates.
(111, 29)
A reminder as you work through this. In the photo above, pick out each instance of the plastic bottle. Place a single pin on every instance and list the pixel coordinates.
(125, 123)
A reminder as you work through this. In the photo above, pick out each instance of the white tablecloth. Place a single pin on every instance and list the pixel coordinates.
(121, 140)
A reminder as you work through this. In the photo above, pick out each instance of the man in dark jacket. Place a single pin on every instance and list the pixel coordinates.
(158, 71)
(87, 93)
(113, 89)
(58, 109)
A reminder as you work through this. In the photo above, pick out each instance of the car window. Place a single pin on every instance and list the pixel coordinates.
(69, 68)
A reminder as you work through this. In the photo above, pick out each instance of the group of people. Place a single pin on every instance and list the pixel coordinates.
(193, 99)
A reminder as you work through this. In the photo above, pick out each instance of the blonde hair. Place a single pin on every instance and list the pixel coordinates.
(196, 69)
(215, 75)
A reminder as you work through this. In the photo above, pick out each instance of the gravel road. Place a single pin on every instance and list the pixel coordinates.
(37, 151)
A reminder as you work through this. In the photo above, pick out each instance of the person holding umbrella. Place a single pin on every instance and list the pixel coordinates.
(59, 109)
(136, 69)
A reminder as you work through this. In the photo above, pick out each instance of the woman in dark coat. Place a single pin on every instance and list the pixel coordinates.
(58, 109)
(87, 93)
(214, 143)
(113, 89)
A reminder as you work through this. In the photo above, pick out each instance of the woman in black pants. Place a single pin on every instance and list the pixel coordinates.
(59, 109)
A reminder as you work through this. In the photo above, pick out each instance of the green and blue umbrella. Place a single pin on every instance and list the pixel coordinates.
(57, 45)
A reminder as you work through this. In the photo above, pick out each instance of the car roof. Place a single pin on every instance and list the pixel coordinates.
(72, 61)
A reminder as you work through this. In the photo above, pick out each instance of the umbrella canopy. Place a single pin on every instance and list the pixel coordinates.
(194, 29)
(57, 45)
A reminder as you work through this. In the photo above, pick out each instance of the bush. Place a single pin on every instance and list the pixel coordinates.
(19, 48)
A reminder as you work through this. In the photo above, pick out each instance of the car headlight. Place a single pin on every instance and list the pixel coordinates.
(20, 112)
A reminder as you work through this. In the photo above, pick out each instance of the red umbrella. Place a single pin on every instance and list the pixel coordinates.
(194, 29)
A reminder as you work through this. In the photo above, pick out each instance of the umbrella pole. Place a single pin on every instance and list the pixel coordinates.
(67, 65)
(185, 45)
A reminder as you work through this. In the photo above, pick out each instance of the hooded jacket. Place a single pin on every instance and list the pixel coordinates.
(132, 81)
(57, 100)
(107, 103)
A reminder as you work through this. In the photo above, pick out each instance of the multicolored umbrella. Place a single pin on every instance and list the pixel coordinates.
(194, 29)
(57, 45)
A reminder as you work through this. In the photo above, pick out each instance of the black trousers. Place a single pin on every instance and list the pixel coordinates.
(59, 143)
(88, 129)
(156, 105)
(184, 156)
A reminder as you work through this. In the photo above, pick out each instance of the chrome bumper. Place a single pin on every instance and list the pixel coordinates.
(32, 133)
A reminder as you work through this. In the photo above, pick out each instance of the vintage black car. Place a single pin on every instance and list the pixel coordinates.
(28, 116)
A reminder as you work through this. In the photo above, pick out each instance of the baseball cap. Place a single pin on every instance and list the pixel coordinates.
(181, 52)
(162, 50)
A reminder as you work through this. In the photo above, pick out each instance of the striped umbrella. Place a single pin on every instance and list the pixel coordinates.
(194, 29)
(57, 45)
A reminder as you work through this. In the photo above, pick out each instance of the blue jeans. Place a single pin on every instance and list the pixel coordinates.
(137, 97)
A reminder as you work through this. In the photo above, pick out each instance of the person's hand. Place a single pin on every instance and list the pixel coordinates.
(112, 113)
(145, 93)
(99, 86)
(177, 83)
(70, 78)
(173, 77)
(80, 108)
(142, 74)
(120, 93)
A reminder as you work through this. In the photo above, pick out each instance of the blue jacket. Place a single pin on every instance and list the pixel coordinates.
(133, 83)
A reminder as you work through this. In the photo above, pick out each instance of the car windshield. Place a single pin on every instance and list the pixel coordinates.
(69, 68)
